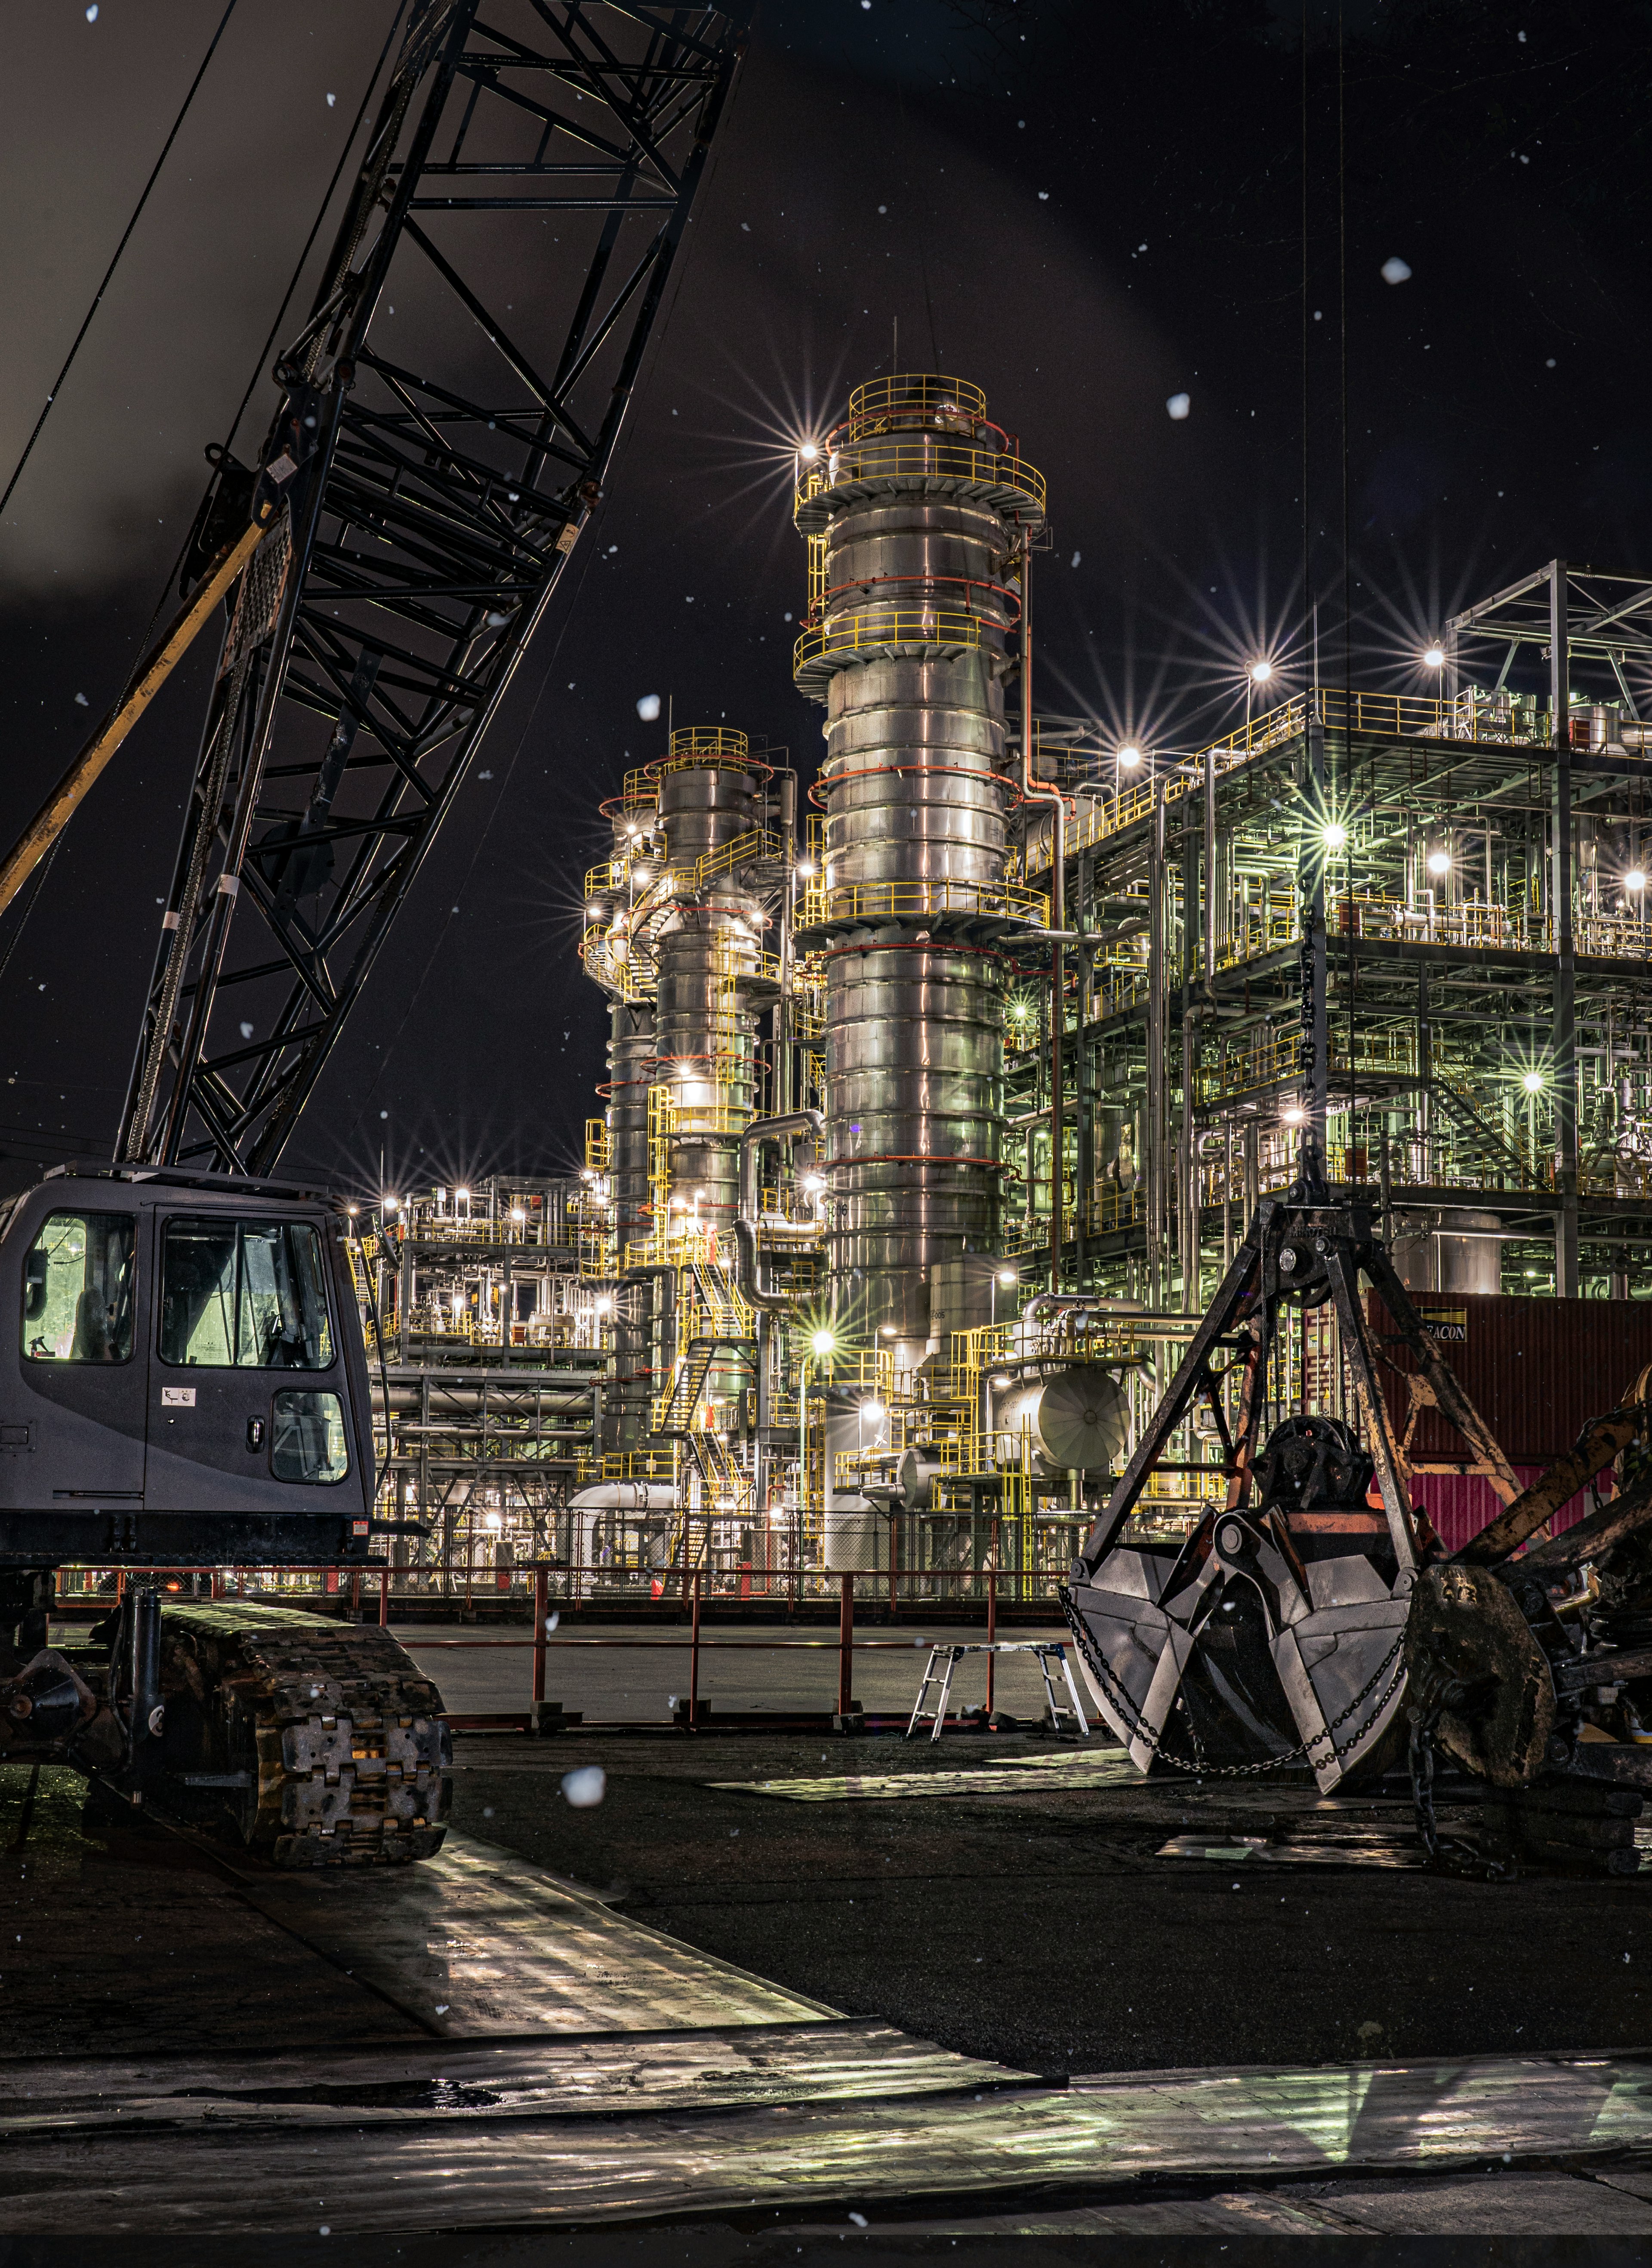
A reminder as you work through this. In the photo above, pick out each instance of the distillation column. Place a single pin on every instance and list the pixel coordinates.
(707, 944)
(613, 959)
(673, 933)
(914, 510)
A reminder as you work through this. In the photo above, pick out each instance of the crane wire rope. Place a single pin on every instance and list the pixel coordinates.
(316, 229)
(1347, 628)
(170, 579)
(108, 276)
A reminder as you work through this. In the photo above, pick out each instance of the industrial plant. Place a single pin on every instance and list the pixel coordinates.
(818, 1303)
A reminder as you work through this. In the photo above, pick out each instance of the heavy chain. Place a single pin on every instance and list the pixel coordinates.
(1456, 1855)
(1196, 1765)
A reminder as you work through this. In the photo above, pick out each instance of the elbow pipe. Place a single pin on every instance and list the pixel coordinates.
(791, 1127)
(657, 1276)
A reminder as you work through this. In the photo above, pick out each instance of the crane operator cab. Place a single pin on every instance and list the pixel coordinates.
(183, 1383)
(186, 1383)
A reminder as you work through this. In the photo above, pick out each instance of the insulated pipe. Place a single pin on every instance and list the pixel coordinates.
(663, 1311)
(1058, 909)
(1062, 1303)
(790, 1127)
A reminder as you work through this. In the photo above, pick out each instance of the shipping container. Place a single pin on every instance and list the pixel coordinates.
(1537, 1370)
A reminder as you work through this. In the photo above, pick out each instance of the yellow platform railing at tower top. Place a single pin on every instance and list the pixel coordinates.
(909, 394)
(902, 454)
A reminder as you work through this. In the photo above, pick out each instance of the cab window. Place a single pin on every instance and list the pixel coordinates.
(244, 1295)
(307, 1440)
(78, 1288)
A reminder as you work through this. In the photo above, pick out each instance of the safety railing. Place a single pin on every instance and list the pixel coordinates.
(423, 1227)
(887, 901)
(756, 847)
(836, 1706)
(1472, 716)
(903, 455)
(823, 647)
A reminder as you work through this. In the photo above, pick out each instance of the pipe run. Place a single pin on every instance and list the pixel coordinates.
(1033, 793)
(792, 1126)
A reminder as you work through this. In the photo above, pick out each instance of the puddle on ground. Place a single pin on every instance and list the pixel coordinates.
(1356, 1851)
(1033, 1775)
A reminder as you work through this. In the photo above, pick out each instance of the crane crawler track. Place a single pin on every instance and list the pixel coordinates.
(333, 1732)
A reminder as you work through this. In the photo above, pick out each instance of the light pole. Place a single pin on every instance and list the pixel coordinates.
(1259, 673)
(822, 1346)
(1434, 658)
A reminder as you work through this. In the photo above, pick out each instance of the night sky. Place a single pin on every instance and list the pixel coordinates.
(1088, 207)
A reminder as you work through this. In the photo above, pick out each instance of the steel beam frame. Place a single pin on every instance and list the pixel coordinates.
(429, 494)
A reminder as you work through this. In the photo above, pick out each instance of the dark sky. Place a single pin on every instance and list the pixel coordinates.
(1086, 206)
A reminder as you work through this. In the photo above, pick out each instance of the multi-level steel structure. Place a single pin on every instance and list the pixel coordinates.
(487, 1316)
(930, 1133)
(1479, 854)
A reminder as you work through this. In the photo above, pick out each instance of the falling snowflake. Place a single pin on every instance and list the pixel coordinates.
(91, 17)
(585, 1787)
(331, 100)
(1179, 404)
(1396, 270)
(246, 1031)
(81, 701)
(648, 707)
(1076, 557)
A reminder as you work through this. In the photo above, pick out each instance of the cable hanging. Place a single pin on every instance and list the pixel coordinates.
(108, 276)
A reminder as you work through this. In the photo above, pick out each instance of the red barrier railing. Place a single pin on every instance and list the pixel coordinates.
(845, 1645)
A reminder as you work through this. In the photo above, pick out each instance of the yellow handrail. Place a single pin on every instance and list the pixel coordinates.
(874, 901)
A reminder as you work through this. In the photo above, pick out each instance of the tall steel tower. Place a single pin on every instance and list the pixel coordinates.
(917, 509)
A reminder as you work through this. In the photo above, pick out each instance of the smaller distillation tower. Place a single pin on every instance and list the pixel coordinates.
(673, 933)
